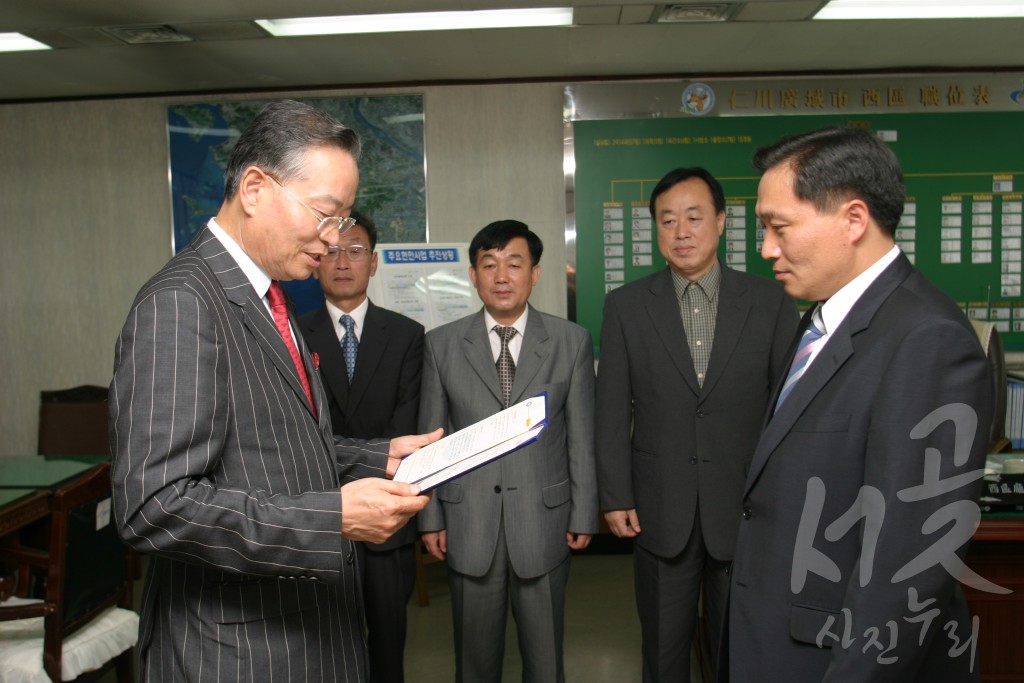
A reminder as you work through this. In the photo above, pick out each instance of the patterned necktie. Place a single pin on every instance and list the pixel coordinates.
(349, 345)
(506, 366)
(814, 336)
(280, 310)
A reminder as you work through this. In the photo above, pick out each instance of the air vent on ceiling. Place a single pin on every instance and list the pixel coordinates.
(144, 35)
(678, 14)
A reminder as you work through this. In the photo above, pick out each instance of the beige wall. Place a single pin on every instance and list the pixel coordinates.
(85, 218)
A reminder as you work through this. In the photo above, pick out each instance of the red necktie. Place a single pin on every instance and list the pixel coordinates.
(280, 310)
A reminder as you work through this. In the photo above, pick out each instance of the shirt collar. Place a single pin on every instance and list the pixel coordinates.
(838, 306)
(358, 315)
(709, 282)
(519, 324)
(260, 281)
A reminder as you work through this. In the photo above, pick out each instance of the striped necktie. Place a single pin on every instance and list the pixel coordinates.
(814, 337)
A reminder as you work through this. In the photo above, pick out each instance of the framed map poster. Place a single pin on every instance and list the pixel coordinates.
(392, 176)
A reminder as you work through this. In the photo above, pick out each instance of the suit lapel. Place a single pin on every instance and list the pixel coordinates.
(255, 315)
(477, 349)
(733, 309)
(372, 345)
(836, 353)
(663, 309)
(532, 354)
(332, 363)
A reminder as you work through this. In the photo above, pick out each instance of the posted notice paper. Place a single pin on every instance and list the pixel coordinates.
(468, 448)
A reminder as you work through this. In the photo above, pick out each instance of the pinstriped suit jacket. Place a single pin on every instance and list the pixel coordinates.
(225, 477)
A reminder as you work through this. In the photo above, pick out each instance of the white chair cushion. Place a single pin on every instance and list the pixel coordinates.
(87, 649)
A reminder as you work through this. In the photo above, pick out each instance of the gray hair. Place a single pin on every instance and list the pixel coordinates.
(279, 137)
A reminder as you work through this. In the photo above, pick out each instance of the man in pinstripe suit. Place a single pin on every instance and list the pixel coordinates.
(225, 468)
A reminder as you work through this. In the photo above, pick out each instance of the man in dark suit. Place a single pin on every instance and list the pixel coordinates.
(688, 359)
(506, 528)
(380, 397)
(876, 441)
(225, 469)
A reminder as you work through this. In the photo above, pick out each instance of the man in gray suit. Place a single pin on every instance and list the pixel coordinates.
(688, 359)
(506, 529)
(225, 469)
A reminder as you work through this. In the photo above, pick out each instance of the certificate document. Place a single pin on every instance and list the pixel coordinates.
(469, 448)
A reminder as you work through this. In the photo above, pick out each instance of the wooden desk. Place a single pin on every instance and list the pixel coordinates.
(21, 507)
(43, 472)
(997, 553)
(18, 509)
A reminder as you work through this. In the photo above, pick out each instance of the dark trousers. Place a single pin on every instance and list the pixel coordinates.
(667, 593)
(389, 577)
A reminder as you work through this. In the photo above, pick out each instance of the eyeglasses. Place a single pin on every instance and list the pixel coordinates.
(355, 252)
(341, 223)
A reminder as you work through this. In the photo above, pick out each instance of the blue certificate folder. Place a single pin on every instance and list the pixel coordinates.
(476, 445)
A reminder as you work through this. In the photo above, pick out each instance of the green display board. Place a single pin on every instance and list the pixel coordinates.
(961, 225)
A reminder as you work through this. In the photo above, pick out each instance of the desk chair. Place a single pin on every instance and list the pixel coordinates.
(80, 625)
(73, 421)
(422, 558)
(993, 346)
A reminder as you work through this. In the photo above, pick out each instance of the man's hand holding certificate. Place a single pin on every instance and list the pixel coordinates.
(473, 446)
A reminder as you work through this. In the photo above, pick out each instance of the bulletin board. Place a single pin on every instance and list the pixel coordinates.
(426, 282)
(964, 168)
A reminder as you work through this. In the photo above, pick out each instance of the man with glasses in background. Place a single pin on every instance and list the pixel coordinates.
(225, 470)
(371, 360)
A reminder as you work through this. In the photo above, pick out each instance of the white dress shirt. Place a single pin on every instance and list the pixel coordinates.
(358, 316)
(514, 344)
(838, 306)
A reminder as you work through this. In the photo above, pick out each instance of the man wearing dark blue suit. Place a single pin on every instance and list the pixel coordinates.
(861, 493)
(380, 398)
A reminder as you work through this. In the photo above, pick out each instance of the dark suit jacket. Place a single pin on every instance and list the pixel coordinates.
(542, 490)
(223, 475)
(384, 399)
(665, 443)
(846, 437)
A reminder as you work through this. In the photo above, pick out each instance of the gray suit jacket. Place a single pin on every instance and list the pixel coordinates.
(841, 446)
(666, 444)
(223, 475)
(541, 491)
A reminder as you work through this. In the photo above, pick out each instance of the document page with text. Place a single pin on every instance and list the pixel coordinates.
(475, 445)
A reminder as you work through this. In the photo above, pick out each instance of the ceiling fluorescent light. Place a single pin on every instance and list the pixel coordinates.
(921, 9)
(418, 21)
(15, 42)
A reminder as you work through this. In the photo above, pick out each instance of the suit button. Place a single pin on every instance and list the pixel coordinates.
(350, 558)
(747, 513)
(701, 413)
(497, 489)
(693, 460)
